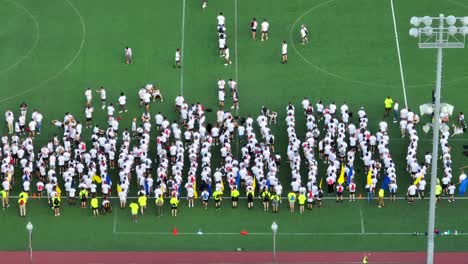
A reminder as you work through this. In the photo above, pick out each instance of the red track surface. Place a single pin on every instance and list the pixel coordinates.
(14, 257)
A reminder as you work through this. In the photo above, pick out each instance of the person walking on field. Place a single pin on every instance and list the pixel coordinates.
(388, 105)
(381, 197)
(128, 55)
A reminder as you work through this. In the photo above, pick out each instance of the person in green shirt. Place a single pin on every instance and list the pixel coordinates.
(235, 197)
(174, 203)
(4, 195)
(275, 199)
(388, 106)
(266, 199)
(134, 210)
(83, 197)
(381, 197)
(217, 195)
(292, 200)
(159, 203)
(302, 200)
(142, 202)
(438, 192)
(95, 205)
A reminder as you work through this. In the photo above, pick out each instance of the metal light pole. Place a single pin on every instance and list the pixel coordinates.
(274, 228)
(30, 227)
(439, 37)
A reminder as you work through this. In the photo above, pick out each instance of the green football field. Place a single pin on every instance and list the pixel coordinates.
(51, 51)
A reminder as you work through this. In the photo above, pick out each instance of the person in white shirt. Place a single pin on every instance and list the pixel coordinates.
(304, 33)
(451, 191)
(178, 57)
(204, 4)
(32, 128)
(128, 55)
(221, 91)
(221, 44)
(89, 96)
(411, 193)
(103, 95)
(265, 26)
(421, 188)
(221, 19)
(123, 103)
(227, 61)
(284, 52)
(395, 111)
(89, 116)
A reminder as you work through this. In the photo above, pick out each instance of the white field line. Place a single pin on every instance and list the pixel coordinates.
(364, 199)
(399, 54)
(269, 233)
(64, 69)
(362, 221)
(182, 50)
(114, 229)
(36, 41)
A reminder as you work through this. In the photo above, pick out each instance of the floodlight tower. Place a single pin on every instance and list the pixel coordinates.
(450, 32)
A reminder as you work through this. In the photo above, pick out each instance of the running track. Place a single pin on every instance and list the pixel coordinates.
(46, 257)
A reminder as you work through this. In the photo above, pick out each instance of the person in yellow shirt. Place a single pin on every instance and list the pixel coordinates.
(83, 197)
(438, 191)
(302, 199)
(250, 199)
(134, 210)
(174, 203)
(235, 197)
(275, 200)
(292, 200)
(159, 203)
(218, 195)
(388, 106)
(95, 205)
(381, 197)
(266, 199)
(56, 202)
(142, 202)
(22, 205)
(4, 195)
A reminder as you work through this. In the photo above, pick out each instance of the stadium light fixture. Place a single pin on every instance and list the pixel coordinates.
(438, 36)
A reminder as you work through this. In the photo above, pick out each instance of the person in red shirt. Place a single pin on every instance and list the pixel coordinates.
(352, 191)
(339, 193)
(253, 26)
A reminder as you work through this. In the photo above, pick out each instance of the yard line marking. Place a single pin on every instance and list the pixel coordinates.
(399, 54)
(279, 233)
(362, 221)
(65, 68)
(237, 62)
(114, 230)
(36, 41)
(182, 50)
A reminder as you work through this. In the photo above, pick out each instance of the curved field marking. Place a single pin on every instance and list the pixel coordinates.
(36, 41)
(340, 77)
(65, 68)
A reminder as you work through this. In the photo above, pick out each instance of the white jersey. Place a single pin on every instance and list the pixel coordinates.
(222, 43)
(128, 52)
(284, 49)
(304, 32)
(265, 26)
(221, 20)
(177, 56)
